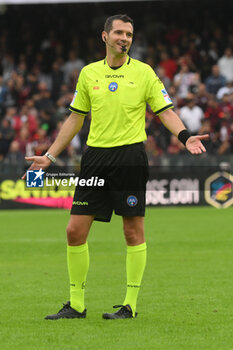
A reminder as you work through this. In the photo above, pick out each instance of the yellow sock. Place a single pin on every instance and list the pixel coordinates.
(135, 266)
(78, 264)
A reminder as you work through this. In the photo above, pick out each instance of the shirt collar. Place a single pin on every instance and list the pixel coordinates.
(127, 61)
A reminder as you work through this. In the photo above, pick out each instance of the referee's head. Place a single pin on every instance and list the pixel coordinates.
(109, 21)
(118, 34)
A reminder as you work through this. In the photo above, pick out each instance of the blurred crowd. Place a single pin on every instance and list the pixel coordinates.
(39, 71)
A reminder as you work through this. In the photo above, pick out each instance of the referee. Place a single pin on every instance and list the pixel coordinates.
(116, 90)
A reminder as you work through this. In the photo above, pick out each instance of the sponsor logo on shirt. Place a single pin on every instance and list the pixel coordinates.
(166, 96)
(113, 86)
(114, 76)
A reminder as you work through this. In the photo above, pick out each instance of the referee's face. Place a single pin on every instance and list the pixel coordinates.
(120, 34)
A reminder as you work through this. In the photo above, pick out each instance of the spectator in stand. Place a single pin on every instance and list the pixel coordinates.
(222, 128)
(152, 150)
(10, 115)
(23, 118)
(206, 128)
(160, 71)
(151, 62)
(8, 66)
(15, 157)
(47, 121)
(226, 107)
(57, 80)
(194, 54)
(6, 136)
(173, 34)
(11, 95)
(3, 91)
(22, 69)
(69, 151)
(91, 50)
(191, 115)
(43, 98)
(139, 48)
(23, 90)
(213, 51)
(41, 142)
(184, 80)
(231, 138)
(212, 113)
(215, 81)
(225, 90)
(63, 103)
(224, 136)
(175, 53)
(225, 64)
(23, 138)
(168, 64)
(205, 68)
(202, 96)
(175, 146)
(32, 83)
(196, 83)
(73, 79)
(73, 63)
(173, 95)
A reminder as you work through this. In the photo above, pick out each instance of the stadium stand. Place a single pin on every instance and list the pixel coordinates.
(43, 49)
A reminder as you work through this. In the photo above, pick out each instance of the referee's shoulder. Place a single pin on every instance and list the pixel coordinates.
(141, 65)
(93, 65)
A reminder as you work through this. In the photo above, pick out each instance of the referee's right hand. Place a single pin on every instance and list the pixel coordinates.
(39, 162)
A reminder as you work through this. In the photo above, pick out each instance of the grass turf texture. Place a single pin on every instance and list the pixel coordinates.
(185, 301)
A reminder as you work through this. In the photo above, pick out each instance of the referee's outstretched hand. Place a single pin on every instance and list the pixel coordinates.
(194, 144)
(39, 162)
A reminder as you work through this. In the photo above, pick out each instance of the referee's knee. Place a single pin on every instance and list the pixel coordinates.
(132, 235)
(74, 235)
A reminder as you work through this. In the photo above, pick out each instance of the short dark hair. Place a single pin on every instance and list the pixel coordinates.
(109, 20)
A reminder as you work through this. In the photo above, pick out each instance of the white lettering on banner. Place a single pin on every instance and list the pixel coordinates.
(177, 191)
(74, 181)
(51, 182)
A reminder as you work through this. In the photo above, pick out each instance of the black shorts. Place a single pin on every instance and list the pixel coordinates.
(124, 170)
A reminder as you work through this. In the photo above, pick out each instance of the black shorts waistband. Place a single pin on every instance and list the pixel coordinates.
(116, 147)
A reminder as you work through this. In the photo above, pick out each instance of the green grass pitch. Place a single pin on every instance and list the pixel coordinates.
(185, 303)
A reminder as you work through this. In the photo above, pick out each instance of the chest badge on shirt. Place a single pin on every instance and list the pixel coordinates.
(113, 86)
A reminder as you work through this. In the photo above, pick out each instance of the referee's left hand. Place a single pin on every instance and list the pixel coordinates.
(194, 144)
(39, 162)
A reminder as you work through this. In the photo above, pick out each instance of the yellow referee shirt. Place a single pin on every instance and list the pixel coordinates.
(117, 99)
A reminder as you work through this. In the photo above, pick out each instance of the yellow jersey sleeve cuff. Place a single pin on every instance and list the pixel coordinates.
(75, 110)
(164, 109)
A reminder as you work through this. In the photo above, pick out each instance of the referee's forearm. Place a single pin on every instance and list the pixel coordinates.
(172, 122)
(69, 129)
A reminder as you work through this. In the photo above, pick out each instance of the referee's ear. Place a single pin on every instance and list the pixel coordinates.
(104, 36)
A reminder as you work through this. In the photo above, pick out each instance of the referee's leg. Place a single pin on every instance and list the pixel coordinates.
(78, 258)
(136, 258)
(78, 229)
(133, 230)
